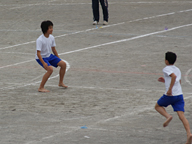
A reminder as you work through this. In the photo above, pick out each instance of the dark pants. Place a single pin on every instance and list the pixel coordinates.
(95, 7)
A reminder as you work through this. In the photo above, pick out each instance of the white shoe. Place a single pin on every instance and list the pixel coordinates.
(95, 23)
(105, 23)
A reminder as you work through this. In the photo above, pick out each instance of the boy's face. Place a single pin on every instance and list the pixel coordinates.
(50, 30)
(166, 62)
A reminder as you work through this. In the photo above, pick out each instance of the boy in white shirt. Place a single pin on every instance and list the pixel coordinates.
(173, 95)
(44, 45)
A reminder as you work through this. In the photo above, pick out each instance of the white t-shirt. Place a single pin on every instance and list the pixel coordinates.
(44, 45)
(167, 71)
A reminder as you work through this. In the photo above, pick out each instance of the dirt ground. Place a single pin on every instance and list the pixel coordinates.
(112, 77)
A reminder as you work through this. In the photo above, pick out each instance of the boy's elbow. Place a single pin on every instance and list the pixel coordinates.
(173, 76)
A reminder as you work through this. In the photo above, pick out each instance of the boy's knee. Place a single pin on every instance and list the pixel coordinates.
(50, 69)
(157, 106)
(62, 64)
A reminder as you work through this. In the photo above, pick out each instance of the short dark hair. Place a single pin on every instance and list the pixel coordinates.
(170, 57)
(45, 26)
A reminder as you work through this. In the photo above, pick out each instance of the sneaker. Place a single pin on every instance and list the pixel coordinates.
(105, 23)
(95, 23)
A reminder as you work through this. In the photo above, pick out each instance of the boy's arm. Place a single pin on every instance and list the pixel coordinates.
(173, 78)
(55, 52)
(41, 59)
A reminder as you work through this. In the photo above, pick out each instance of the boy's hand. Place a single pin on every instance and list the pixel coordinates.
(161, 79)
(45, 66)
(169, 93)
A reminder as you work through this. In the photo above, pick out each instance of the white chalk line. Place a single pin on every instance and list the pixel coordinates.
(72, 33)
(105, 44)
(68, 3)
(186, 77)
(102, 27)
(104, 120)
(17, 45)
(55, 37)
(20, 53)
(119, 89)
(96, 45)
(33, 83)
(48, 137)
(146, 18)
(48, 4)
(114, 89)
(135, 112)
(17, 63)
(129, 39)
(73, 130)
(92, 127)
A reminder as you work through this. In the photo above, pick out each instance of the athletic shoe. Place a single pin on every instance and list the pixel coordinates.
(95, 23)
(105, 23)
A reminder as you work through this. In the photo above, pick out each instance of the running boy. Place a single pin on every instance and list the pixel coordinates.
(44, 45)
(173, 95)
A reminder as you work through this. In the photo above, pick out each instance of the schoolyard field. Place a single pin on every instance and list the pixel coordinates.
(111, 75)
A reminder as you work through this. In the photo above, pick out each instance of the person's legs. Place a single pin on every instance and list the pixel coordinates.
(163, 112)
(95, 7)
(62, 65)
(49, 70)
(55, 61)
(104, 5)
(186, 126)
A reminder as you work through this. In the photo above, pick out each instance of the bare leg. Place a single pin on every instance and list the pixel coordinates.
(186, 126)
(163, 112)
(62, 64)
(45, 78)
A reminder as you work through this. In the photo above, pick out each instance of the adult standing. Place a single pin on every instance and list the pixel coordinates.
(95, 7)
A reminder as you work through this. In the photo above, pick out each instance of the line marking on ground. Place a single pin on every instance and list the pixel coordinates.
(128, 39)
(119, 89)
(186, 76)
(17, 63)
(114, 42)
(23, 85)
(134, 112)
(161, 15)
(17, 6)
(105, 44)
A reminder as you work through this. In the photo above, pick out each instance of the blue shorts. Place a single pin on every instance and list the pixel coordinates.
(52, 60)
(177, 102)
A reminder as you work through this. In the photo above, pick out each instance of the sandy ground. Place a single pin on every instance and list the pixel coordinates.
(112, 77)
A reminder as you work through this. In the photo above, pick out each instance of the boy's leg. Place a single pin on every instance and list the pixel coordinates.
(49, 70)
(62, 65)
(186, 126)
(163, 112)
